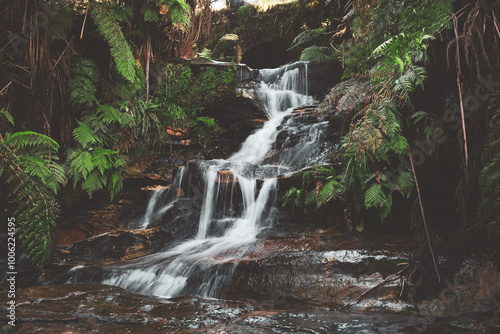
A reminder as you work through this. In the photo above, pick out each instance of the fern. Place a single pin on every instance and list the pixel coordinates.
(107, 19)
(28, 164)
(307, 37)
(61, 20)
(314, 53)
(330, 190)
(5, 114)
(96, 170)
(82, 87)
(294, 198)
(180, 13)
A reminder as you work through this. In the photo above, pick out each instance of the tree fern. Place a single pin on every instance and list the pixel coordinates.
(294, 198)
(179, 11)
(107, 19)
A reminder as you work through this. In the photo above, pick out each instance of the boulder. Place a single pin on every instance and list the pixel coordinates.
(228, 49)
(319, 83)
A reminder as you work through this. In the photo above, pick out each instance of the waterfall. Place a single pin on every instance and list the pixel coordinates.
(227, 227)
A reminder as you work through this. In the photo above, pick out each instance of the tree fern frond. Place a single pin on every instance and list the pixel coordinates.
(109, 28)
(375, 196)
(32, 189)
(31, 139)
(8, 117)
(307, 37)
(329, 191)
(85, 135)
(314, 53)
(180, 13)
(406, 183)
(108, 114)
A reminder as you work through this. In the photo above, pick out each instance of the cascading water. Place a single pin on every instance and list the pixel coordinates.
(235, 205)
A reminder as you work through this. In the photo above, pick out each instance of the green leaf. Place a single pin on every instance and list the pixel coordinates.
(85, 135)
(109, 28)
(151, 15)
(419, 116)
(7, 116)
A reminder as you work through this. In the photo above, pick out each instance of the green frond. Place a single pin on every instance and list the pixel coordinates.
(314, 53)
(375, 196)
(61, 20)
(85, 135)
(94, 182)
(5, 114)
(419, 116)
(32, 182)
(151, 14)
(329, 191)
(109, 28)
(307, 37)
(179, 11)
(108, 115)
(82, 85)
(27, 139)
(406, 183)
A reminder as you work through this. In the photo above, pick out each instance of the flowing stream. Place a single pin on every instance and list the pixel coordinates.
(238, 199)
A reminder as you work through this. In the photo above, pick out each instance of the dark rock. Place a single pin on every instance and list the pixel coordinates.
(243, 72)
(316, 271)
(475, 288)
(238, 115)
(84, 308)
(119, 245)
(181, 221)
(322, 76)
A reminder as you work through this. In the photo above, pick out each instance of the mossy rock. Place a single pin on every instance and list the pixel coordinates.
(228, 49)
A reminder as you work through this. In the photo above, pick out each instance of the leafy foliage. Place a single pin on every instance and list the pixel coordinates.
(96, 170)
(392, 27)
(28, 162)
(391, 38)
(92, 166)
(204, 127)
(179, 12)
(314, 53)
(82, 86)
(107, 18)
(61, 21)
(308, 37)
(397, 51)
(182, 95)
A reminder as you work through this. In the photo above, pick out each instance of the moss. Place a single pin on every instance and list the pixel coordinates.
(228, 49)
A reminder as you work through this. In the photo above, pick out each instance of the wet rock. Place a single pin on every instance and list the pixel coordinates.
(319, 83)
(302, 140)
(84, 308)
(181, 221)
(239, 116)
(475, 288)
(114, 246)
(303, 271)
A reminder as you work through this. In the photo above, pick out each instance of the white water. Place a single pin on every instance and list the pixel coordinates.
(203, 264)
(150, 210)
